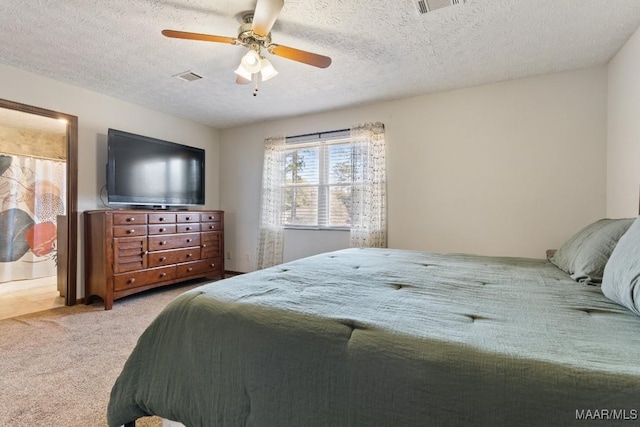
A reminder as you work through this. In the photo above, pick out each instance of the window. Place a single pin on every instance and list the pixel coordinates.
(318, 180)
(333, 180)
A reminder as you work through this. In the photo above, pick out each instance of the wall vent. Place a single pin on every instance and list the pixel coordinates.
(426, 6)
(188, 76)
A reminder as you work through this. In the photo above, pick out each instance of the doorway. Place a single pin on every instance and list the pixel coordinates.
(38, 216)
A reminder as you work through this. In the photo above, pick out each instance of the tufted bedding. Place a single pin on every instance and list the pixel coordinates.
(380, 337)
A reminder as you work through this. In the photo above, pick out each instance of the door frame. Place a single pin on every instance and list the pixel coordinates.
(71, 266)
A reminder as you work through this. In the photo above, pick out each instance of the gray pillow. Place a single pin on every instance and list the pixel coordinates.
(622, 273)
(586, 253)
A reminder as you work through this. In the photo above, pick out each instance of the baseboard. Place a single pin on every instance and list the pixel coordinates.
(232, 273)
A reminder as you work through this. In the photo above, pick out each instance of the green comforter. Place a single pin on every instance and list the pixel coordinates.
(380, 337)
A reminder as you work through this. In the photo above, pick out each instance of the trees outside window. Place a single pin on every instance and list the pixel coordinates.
(318, 184)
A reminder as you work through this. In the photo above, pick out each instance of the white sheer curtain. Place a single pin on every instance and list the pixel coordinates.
(271, 231)
(369, 202)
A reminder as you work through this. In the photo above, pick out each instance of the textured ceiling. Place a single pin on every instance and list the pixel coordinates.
(381, 49)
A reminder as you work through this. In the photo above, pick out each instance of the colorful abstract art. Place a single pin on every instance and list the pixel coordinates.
(32, 195)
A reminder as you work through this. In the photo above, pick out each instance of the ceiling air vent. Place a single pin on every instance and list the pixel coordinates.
(188, 76)
(426, 6)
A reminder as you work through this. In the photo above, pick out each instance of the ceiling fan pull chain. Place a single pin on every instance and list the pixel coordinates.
(255, 89)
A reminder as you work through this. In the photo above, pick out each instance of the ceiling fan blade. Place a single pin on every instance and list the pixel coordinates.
(197, 36)
(265, 16)
(242, 81)
(314, 59)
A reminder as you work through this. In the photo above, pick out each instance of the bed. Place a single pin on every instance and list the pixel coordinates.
(383, 337)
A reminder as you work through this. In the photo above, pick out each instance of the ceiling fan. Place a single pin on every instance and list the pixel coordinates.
(255, 34)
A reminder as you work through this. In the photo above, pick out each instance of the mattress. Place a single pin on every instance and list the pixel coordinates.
(381, 337)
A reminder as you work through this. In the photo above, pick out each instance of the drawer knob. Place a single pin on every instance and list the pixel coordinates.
(131, 231)
(130, 219)
(212, 227)
(163, 275)
(164, 242)
(131, 281)
(161, 218)
(189, 255)
(204, 246)
(188, 240)
(188, 218)
(189, 229)
(163, 258)
(161, 230)
(190, 269)
(210, 217)
(213, 265)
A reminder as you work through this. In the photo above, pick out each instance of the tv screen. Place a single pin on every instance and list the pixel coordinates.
(151, 172)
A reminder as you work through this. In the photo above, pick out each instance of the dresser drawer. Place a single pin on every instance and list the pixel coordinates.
(142, 278)
(211, 217)
(129, 230)
(173, 241)
(189, 227)
(162, 229)
(175, 256)
(212, 226)
(213, 264)
(129, 218)
(162, 218)
(188, 217)
(199, 267)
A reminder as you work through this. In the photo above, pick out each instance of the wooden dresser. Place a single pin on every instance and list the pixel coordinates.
(129, 251)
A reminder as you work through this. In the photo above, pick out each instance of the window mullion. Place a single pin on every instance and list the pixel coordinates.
(322, 186)
(294, 179)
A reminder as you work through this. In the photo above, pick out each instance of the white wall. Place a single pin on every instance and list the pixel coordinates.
(506, 169)
(623, 139)
(96, 114)
(299, 243)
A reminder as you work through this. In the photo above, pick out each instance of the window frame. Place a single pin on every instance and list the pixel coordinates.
(322, 141)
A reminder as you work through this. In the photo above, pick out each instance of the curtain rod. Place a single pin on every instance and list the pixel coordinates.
(319, 134)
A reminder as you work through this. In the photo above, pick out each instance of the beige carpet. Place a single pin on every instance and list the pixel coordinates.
(57, 367)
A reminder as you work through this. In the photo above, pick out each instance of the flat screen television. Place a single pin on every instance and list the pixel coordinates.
(144, 171)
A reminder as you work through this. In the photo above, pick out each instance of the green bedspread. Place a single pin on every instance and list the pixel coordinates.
(380, 337)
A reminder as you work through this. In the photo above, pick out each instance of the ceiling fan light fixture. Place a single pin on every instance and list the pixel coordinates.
(251, 61)
(267, 72)
(243, 72)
